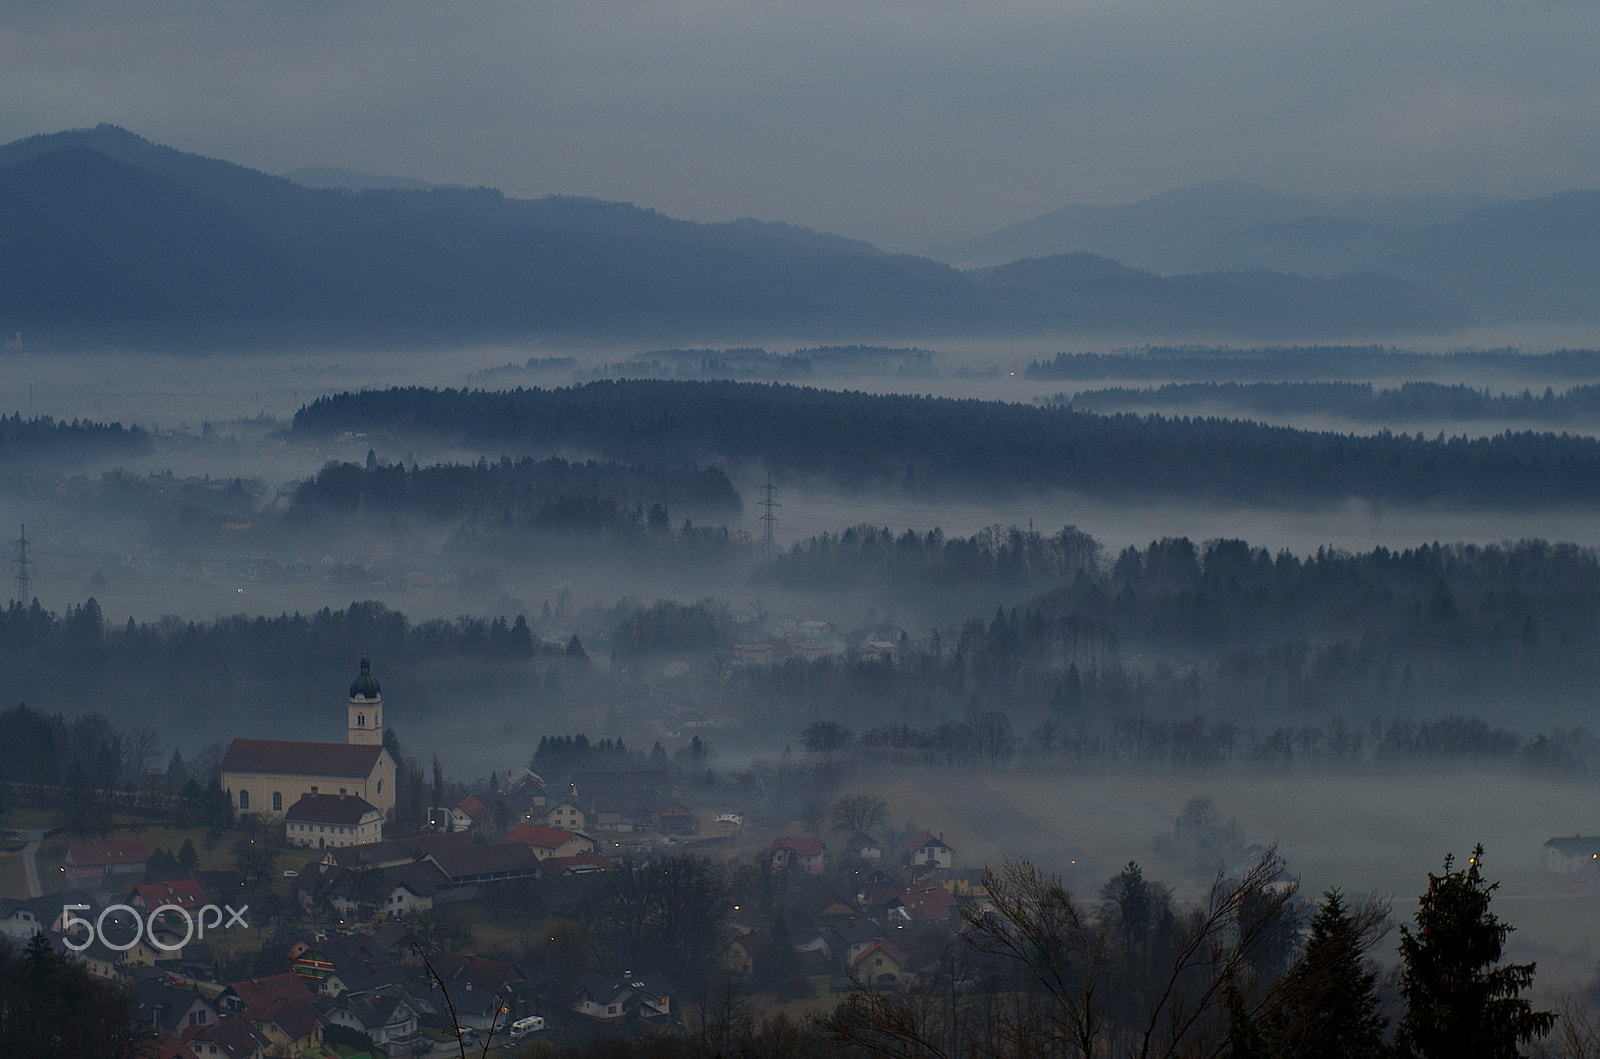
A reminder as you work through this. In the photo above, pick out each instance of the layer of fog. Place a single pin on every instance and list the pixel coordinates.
(248, 400)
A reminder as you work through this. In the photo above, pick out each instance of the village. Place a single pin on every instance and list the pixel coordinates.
(539, 912)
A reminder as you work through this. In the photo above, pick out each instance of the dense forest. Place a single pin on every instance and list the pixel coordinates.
(546, 492)
(928, 446)
(1112, 660)
(43, 439)
(1351, 400)
(1307, 364)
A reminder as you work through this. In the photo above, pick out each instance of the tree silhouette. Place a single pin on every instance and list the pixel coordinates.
(1461, 1002)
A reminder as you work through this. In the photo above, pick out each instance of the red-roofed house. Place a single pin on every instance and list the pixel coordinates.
(551, 841)
(163, 1046)
(924, 904)
(180, 893)
(101, 860)
(802, 854)
(879, 963)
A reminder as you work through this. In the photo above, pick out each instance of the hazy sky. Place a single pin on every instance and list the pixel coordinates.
(901, 122)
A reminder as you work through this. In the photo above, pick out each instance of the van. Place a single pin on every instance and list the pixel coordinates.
(523, 1027)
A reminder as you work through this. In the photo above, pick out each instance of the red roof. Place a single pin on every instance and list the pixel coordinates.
(540, 836)
(310, 759)
(105, 854)
(928, 903)
(805, 847)
(476, 810)
(262, 997)
(879, 946)
(164, 1046)
(184, 893)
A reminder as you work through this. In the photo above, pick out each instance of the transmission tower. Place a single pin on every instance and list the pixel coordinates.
(23, 565)
(768, 519)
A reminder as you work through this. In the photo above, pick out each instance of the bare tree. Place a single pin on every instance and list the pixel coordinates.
(860, 813)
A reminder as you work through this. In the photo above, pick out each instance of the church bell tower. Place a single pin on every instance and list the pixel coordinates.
(366, 708)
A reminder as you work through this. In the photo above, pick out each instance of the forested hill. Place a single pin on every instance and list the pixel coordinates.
(931, 446)
(103, 233)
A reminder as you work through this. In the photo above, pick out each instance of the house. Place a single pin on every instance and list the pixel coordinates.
(607, 998)
(179, 893)
(229, 1038)
(798, 854)
(269, 775)
(962, 882)
(878, 963)
(923, 904)
(17, 921)
(322, 820)
(483, 991)
(281, 1010)
(480, 864)
(551, 841)
(566, 814)
(395, 851)
(675, 818)
(863, 847)
(928, 850)
(98, 861)
(385, 1015)
(1578, 855)
(162, 1046)
(166, 1008)
(747, 952)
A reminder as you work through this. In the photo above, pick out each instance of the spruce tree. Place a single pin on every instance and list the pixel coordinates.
(1461, 1002)
(1326, 1006)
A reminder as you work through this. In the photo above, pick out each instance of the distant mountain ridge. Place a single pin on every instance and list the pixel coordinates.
(104, 234)
(1537, 259)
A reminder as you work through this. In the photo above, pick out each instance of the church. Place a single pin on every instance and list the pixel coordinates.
(267, 776)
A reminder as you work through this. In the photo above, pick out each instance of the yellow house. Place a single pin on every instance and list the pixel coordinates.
(268, 776)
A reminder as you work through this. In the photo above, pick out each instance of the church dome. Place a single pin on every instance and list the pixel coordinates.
(366, 685)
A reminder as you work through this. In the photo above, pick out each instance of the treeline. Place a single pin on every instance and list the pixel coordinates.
(667, 625)
(203, 679)
(44, 438)
(925, 445)
(1350, 400)
(757, 363)
(1174, 630)
(989, 740)
(1307, 363)
(550, 493)
(994, 557)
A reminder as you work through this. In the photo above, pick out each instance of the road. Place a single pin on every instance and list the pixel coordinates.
(30, 857)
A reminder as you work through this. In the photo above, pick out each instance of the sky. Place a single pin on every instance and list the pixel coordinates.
(906, 123)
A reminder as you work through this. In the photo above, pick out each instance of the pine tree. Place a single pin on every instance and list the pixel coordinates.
(1461, 1002)
(1326, 1006)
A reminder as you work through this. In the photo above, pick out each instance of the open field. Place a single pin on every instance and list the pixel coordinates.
(1360, 832)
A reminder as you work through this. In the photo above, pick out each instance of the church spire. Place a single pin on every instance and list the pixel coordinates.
(365, 720)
